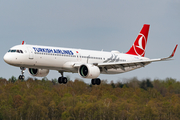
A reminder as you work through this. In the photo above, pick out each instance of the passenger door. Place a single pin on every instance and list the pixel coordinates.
(31, 54)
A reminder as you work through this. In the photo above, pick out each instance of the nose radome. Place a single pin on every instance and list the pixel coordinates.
(7, 58)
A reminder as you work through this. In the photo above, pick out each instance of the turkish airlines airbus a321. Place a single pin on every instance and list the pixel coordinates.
(88, 63)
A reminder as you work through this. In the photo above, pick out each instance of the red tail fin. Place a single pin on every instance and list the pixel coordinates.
(139, 46)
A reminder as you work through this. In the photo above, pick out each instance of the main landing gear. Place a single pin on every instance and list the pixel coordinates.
(62, 79)
(21, 77)
(96, 81)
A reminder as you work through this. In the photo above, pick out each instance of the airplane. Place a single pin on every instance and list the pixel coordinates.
(87, 63)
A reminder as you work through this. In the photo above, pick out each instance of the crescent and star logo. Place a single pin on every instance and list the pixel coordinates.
(140, 44)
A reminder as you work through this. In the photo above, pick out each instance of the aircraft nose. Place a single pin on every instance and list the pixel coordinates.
(7, 58)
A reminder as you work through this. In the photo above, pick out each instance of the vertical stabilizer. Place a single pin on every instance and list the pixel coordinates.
(139, 46)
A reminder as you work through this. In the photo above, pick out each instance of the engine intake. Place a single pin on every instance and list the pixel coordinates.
(38, 72)
(89, 71)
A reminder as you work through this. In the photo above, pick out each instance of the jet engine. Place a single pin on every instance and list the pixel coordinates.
(89, 71)
(38, 72)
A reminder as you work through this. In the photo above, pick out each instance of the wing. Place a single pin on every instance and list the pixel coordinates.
(142, 63)
(122, 65)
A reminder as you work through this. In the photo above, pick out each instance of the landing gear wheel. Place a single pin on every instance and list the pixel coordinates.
(21, 77)
(93, 81)
(96, 81)
(62, 80)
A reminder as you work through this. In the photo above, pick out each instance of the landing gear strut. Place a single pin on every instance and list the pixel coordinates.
(62, 79)
(96, 81)
(21, 77)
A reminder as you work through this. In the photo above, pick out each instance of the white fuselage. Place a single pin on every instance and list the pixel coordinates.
(63, 59)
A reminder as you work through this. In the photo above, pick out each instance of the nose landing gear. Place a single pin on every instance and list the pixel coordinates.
(22, 77)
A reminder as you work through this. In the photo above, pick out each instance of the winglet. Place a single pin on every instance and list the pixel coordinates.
(173, 51)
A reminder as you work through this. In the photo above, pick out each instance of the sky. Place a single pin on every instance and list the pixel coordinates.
(94, 25)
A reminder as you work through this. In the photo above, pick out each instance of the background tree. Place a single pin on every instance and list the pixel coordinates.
(134, 99)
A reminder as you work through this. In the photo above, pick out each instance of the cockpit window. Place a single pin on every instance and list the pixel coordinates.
(16, 51)
(13, 50)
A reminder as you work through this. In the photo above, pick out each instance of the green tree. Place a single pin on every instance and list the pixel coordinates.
(12, 79)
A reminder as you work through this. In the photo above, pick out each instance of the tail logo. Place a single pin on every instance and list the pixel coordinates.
(140, 44)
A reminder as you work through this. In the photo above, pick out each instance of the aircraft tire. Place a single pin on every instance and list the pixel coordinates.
(60, 80)
(64, 80)
(93, 81)
(98, 81)
(21, 77)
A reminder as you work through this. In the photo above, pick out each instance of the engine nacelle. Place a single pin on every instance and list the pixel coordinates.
(38, 72)
(89, 71)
